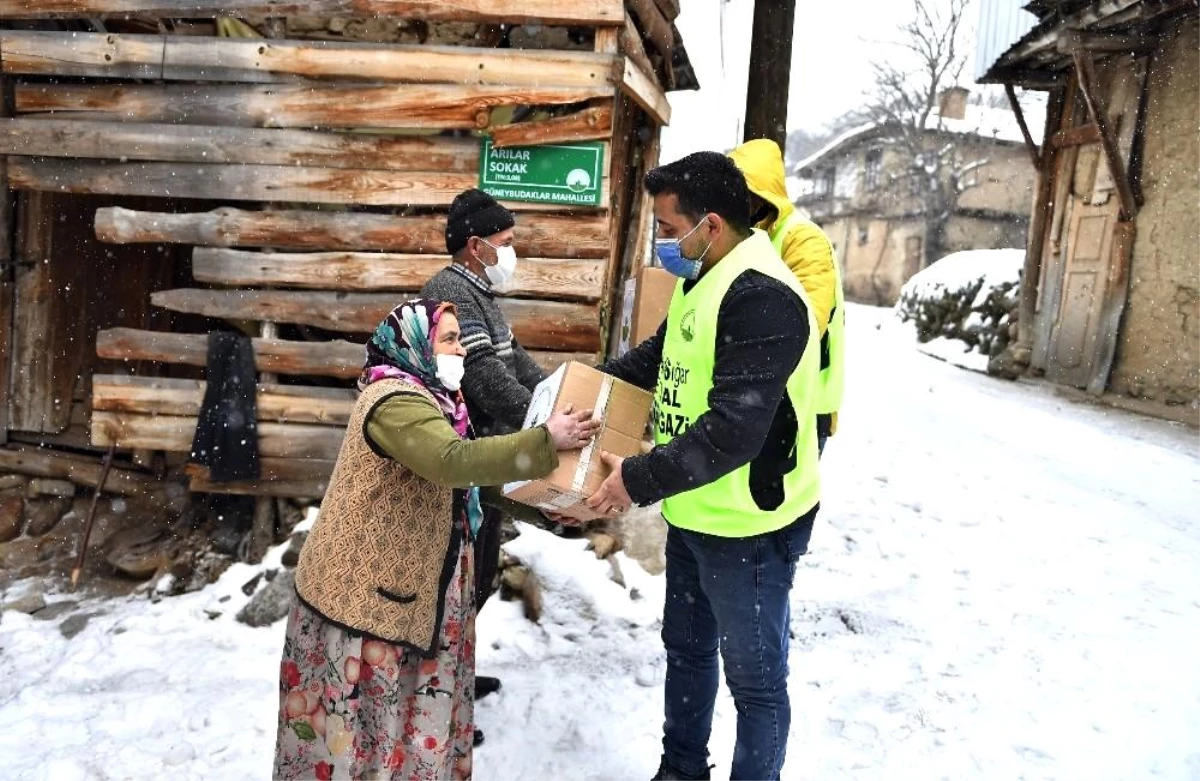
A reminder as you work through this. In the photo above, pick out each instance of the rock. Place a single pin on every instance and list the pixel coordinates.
(291, 556)
(141, 551)
(604, 545)
(531, 598)
(41, 486)
(56, 609)
(75, 624)
(514, 578)
(28, 602)
(8, 482)
(44, 515)
(12, 517)
(250, 585)
(1006, 366)
(270, 604)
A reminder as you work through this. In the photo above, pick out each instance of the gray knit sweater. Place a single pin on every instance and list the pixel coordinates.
(500, 375)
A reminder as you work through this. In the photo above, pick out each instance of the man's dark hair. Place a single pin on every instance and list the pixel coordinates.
(705, 182)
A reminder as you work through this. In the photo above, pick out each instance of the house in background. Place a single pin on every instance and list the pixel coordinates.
(872, 197)
(1111, 298)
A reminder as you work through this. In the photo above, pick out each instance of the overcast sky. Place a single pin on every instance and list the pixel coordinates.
(832, 47)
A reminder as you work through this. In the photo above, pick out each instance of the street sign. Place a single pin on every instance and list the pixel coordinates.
(565, 174)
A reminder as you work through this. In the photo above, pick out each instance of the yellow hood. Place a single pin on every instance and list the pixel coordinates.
(761, 163)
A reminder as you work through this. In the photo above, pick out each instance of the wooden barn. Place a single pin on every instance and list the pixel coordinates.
(282, 168)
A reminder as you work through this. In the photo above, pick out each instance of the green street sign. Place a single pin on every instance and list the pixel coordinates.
(565, 174)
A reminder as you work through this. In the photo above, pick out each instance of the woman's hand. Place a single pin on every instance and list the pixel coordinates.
(572, 430)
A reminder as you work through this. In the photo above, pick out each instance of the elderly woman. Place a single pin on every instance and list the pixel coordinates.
(378, 662)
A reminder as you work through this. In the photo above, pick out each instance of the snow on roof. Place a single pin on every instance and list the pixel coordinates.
(983, 121)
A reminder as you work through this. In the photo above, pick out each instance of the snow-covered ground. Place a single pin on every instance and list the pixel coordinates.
(1002, 585)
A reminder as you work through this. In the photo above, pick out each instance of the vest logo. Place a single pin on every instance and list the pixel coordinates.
(687, 325)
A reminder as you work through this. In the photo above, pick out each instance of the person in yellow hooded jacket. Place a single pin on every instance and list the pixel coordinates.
(808, 252)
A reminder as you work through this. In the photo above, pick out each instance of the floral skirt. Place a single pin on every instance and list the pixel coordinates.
(353, 708)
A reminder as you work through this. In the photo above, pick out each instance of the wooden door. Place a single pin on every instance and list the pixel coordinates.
(1088, 253)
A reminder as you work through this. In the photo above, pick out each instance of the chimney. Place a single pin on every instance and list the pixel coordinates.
(952, 103)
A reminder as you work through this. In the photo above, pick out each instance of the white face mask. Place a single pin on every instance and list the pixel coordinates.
(501, 275)
(450, 371)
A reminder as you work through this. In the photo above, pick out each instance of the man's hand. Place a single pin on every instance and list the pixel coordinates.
(611, 498)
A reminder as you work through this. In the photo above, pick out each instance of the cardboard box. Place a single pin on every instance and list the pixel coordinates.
(644, 307)
(624, 411)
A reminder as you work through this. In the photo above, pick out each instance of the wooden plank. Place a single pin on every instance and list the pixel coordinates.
(213, 145)
(80, 470)
(334, 358)
(188, 58)
(537, 324)
(590, 124)
(576, 280)
(538, 235)
(1034, 153)
(643, 90)
(441, 106)
(248, 182)
(1086, 73)
(7, 288)
(174, 433)
(557, 12)
(1075, 136)
(276, 403)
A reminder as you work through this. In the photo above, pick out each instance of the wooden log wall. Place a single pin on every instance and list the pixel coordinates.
(337, 160)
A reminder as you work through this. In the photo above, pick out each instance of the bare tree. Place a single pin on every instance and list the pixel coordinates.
(904, 101)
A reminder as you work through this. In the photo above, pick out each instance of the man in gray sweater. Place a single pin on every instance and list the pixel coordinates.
(500, 375)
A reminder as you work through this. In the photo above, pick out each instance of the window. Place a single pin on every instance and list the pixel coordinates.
(825, 182)
(874, 163)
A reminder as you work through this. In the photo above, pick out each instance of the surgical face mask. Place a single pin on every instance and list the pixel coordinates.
(501, 275)
(450, 371)
(670, 254)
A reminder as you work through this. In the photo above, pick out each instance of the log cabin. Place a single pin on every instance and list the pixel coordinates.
(282, 168)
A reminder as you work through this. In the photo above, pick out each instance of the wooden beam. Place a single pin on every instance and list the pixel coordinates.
(234, 182)
(188, 58)
(304, 478)
(1034, 153)
(1075, 136)
(556, 12)
(236, 145)
(644, 91)
(7, 277)
(657, 28)
(632, 46)
(590, 124)
(164, 396)
(537, 324)
(1073, 41)
(1086, 73)
(334, 358)
(80, 470)
(537, 235)
(174, 433)
(441, 106)
(575, 280)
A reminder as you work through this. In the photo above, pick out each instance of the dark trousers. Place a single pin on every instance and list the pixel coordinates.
(487, 555)
(729, 596)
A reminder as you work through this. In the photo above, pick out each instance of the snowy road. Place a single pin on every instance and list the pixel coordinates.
(1002, 585)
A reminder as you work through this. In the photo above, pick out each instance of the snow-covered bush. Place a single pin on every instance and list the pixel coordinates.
(970, 297)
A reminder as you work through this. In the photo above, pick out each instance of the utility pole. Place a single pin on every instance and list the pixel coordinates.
(770, 69)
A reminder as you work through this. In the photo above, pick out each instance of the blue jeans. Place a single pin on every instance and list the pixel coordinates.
(729, 595)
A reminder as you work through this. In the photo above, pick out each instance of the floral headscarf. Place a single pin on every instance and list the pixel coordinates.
(402, 348)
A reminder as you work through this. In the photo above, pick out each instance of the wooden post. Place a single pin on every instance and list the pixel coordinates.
(7, 299)
(770, 70)
(1085, 71)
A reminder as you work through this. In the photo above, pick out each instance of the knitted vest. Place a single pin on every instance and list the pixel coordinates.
(381, 552)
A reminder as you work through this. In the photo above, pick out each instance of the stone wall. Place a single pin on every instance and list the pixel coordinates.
(1158, 353)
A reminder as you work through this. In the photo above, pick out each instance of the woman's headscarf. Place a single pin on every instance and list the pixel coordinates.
(402, 348)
